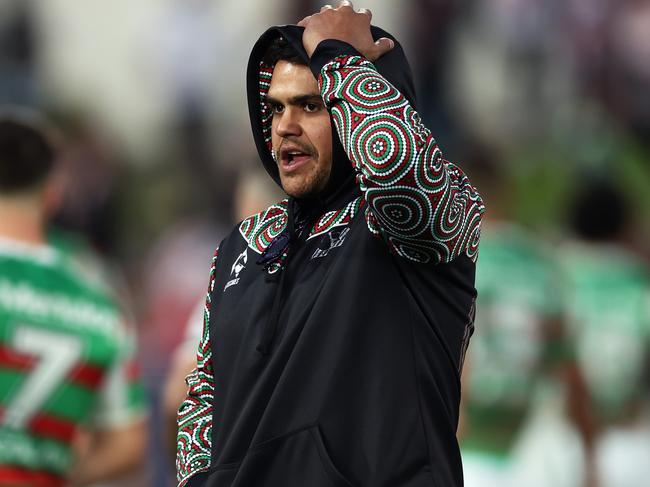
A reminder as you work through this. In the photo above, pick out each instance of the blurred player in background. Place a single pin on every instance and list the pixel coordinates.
(520, 343)
(65, 353)
(609, 302)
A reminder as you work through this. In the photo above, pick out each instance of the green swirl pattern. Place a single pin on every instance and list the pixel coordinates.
(423, 206)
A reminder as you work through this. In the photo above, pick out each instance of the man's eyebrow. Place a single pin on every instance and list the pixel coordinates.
(296, 100)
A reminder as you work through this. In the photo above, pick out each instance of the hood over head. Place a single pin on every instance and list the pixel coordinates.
(392, 65)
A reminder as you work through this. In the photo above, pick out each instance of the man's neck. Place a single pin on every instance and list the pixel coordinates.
(21, 220)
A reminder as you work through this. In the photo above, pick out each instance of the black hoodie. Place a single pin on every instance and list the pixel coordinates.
(336, 327)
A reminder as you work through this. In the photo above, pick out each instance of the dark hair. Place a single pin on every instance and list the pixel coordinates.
(599, 211)
(26, 156)
(281, 50)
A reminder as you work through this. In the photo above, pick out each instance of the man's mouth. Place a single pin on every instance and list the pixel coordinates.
(291, 158)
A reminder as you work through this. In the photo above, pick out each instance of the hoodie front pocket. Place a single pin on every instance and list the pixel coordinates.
(298, 459)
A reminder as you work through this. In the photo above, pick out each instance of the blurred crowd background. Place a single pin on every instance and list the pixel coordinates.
(544, 103)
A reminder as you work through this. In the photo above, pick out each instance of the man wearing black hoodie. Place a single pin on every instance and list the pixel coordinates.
(337, 320)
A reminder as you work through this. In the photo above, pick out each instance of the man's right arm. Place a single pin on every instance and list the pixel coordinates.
(194, 446)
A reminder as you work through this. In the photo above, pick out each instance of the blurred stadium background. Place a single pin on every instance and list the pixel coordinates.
(534, 98)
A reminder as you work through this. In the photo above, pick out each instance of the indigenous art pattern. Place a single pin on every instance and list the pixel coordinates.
(336, 218)
(422, 205)
(267, 114)
(193, 447)
(259, 230)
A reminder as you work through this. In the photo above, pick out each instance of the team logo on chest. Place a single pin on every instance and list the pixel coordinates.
(330, 240)
(237, 267)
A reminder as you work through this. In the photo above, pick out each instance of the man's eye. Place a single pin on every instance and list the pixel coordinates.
(311, 107)
(277, 108)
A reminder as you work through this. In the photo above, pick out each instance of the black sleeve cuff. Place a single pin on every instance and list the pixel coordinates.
(326, 51)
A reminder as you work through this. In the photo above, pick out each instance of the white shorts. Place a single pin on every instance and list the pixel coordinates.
(485, 470)
(623, 456)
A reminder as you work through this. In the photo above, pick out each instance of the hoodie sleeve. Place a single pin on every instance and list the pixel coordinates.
(193, 445)
(423, 206)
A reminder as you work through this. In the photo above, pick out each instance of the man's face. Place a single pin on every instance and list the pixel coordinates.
(301, 130)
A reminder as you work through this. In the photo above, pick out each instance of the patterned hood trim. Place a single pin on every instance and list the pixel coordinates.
(266, 72)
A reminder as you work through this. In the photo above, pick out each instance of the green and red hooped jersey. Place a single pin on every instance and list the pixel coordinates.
(65, 362)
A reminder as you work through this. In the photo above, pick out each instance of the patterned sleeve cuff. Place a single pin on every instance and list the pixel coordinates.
(328, 50)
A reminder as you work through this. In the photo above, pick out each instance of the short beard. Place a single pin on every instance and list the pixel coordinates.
(310, 188)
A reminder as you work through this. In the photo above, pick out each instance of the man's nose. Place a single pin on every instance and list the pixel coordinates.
(288, 124)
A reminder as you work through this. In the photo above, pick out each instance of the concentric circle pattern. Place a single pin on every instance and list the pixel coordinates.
(403, 213)
(422, 204)
(418, 251)
(384, 147)
(367, 91)
(472, 239)
(430, 177)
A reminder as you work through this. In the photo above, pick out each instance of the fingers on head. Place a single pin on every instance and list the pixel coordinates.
(385, 43)
(304, 21)
(382, 46)
(326, 7)
(365, 11)
(345, 4)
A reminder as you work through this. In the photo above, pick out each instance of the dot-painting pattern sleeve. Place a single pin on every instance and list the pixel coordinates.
(423, 206)
(194, 441)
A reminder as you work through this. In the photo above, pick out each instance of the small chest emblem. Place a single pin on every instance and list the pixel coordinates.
(330, 240)
(237, 267)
